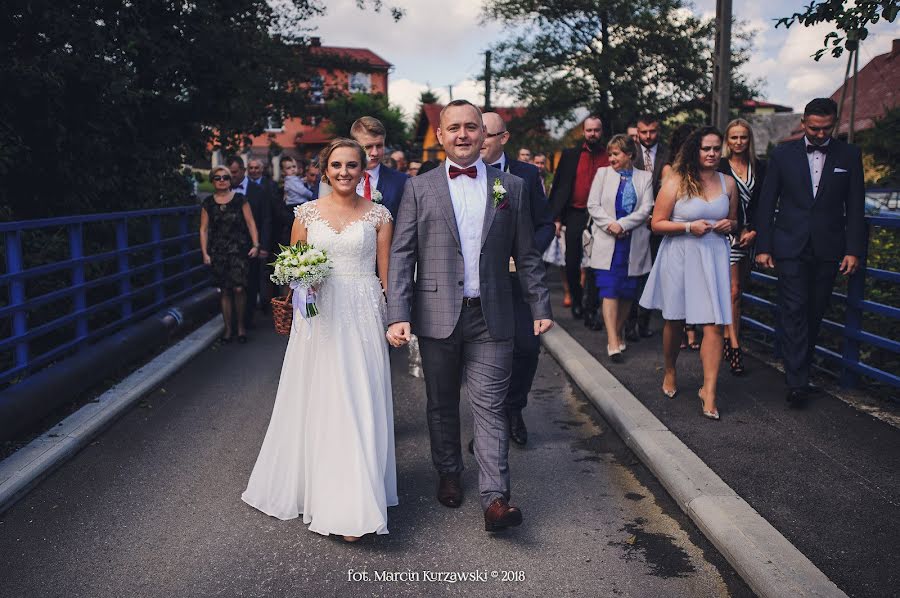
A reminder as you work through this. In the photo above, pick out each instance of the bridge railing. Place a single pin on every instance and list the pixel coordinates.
(845, 361)
(72, 280)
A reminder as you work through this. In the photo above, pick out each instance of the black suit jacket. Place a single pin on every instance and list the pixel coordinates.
(390, 184)
(660, 160)
(260, 205)
(747, 218)
(832, 222)
(564, 183)
(544, 230)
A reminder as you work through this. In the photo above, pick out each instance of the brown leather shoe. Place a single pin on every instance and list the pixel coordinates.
(500, 515)
(449, 491)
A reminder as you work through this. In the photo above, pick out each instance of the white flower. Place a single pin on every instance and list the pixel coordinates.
(377, 197)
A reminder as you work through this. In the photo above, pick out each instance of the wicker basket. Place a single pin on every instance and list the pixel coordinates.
(283, 313)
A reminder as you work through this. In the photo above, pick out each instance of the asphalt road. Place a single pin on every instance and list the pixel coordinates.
(827, 476)
(152, 507)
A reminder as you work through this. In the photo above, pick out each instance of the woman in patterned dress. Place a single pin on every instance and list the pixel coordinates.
(226, 230)
(739, 161)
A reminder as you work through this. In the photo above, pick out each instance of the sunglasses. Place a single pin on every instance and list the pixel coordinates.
(222, 177)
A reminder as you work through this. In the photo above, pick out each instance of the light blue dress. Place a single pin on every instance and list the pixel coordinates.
(691, 278)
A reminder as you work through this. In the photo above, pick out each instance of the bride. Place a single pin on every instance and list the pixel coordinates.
(329, 449)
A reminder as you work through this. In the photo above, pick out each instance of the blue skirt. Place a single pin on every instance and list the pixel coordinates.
(615, 282)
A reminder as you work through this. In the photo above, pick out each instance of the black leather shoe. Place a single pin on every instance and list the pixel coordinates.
(593, 321)
(518, 433)
(472, 447)
(796, 398)
(577, 312)
(644, 330)
(631, 333)
(449, 491)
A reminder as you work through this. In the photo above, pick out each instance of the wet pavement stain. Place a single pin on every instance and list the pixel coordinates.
(664, 557)
(634, 496)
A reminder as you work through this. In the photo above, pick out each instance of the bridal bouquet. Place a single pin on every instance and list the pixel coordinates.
(301, 267)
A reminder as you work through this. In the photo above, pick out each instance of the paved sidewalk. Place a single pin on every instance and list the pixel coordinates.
(827, 477)
(152, 507)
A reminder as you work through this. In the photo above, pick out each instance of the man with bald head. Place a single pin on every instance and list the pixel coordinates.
(457, 227)
(526, 346)
(568, 205)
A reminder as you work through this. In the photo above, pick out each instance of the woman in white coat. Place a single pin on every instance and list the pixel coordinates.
(620, 204)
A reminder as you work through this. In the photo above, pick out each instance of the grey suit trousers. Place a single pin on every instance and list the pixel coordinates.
(469, 354)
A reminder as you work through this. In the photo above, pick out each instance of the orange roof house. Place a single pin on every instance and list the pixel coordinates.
(341, 70)
(877, 91)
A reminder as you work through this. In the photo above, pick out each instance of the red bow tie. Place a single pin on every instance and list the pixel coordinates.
(470, 172)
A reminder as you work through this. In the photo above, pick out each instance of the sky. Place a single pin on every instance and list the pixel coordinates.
(441, 43)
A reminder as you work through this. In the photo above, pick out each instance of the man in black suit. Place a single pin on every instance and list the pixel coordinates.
(652, 155)
(810, 224)
(568, 206)
(262, 215)
(256, 173)
(526, 346)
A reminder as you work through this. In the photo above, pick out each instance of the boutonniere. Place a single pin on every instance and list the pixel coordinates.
(376, 196)
(499, 191)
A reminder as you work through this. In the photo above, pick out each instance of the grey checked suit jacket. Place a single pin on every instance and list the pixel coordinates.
(426, 245)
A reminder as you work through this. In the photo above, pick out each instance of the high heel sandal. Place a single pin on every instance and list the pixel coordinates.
(736, 360)
(671, 394)
(714, 415)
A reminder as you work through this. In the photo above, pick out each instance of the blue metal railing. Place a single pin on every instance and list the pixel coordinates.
(852, 333)
(133, 264)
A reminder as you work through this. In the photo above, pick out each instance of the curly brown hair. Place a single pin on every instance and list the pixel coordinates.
(687, 164)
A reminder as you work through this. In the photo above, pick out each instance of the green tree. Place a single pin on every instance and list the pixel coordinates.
(850, 19)
(104, 100)
(882, 142)
(615, 57)
(342, 110)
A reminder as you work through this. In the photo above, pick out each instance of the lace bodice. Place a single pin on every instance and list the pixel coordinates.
(351, 250)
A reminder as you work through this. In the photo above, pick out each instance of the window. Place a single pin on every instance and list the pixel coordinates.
(274, 123)
(361, 83)
(317, 90)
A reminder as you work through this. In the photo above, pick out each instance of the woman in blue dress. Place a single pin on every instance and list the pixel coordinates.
(696, 209)
(620, 203)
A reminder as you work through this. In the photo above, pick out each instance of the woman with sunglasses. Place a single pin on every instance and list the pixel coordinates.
(226, 230)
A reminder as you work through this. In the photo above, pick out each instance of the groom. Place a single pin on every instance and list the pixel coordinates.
(457, 228)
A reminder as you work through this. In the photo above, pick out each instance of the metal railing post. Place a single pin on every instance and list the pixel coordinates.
(76, 252)
(121, 246)
(158, 274)
(183, 225)
(17, 294)
(856, 291)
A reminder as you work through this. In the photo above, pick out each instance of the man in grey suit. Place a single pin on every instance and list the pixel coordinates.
(448, 282)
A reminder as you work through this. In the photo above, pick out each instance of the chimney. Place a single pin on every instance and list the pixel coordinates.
(315, 42)
(895, 47)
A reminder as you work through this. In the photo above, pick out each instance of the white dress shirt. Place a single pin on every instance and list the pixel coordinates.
(373, 182)
(816, 165)
(242, 186)
(469, 197)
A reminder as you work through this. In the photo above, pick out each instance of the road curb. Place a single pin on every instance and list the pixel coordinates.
(24, 469)
(764, 558)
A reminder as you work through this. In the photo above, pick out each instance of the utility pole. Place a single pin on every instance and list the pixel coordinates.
(450, 91)
(722, 66)
(487, 81)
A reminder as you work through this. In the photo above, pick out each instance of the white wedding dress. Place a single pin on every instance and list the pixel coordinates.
(329, 449)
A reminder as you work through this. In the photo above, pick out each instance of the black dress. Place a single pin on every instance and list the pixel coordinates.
(228, 241)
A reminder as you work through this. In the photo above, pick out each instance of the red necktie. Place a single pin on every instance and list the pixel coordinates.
(367, 188)
(470, 172)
